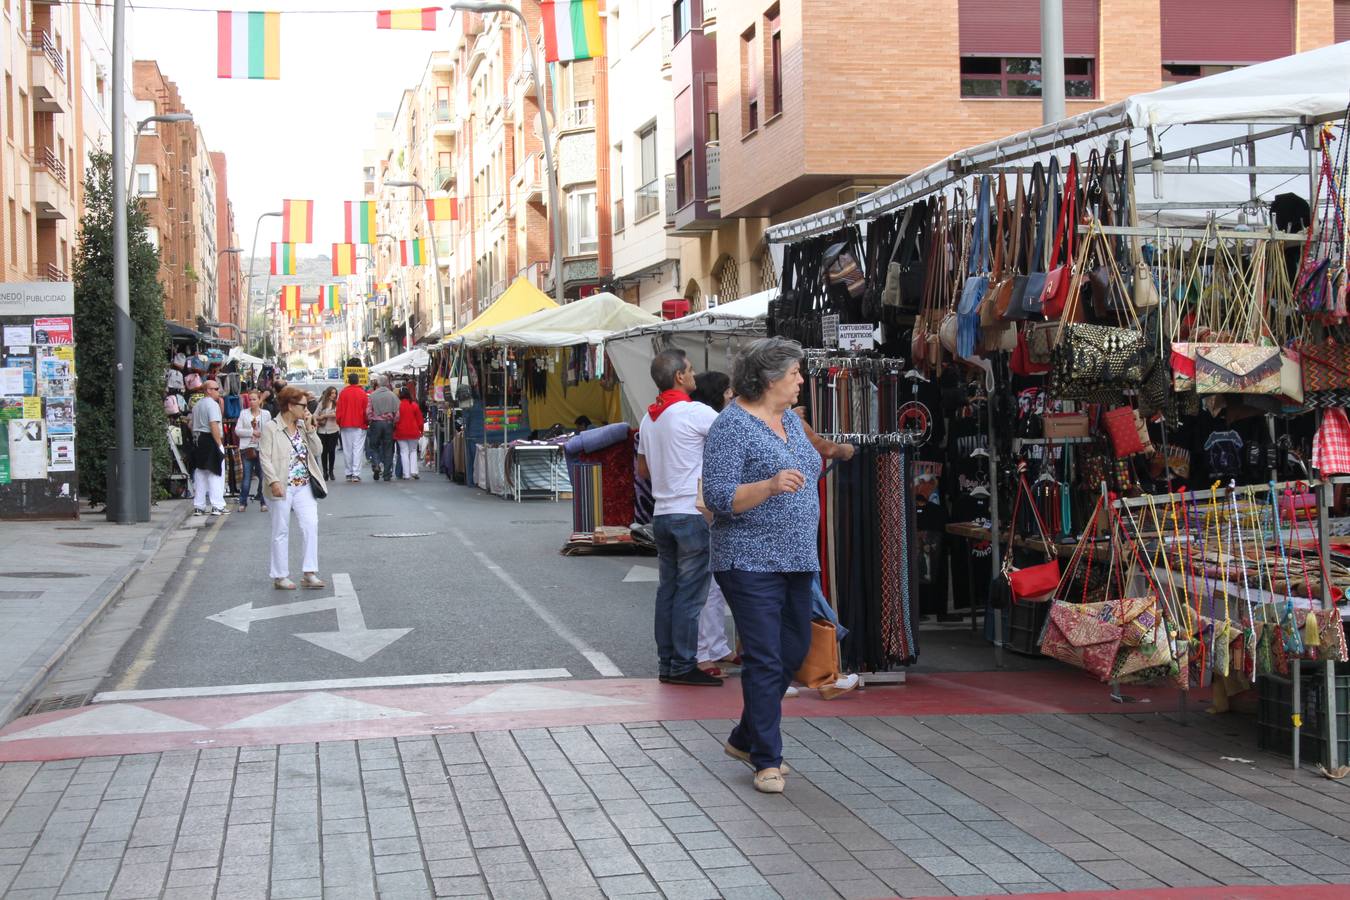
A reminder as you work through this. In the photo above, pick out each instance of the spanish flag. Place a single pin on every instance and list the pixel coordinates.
(297, 221)
(344, 259)
(572, 30)
(290, 300)
(423, 19)
(283, 259)
(414, 252)
(442, 209)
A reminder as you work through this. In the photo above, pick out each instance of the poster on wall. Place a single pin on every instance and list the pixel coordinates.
(32, 408)
(11, 381)
(62, 454)
(27, 449)
(54, 330)
(10, 408)
(18, 337)
(60, 415)
(4, 462)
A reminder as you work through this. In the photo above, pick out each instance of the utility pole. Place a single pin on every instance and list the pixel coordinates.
(124, 337)
(1052, 61)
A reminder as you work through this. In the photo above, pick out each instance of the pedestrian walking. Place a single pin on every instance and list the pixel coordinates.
(671, 438)
(382, 413)
(248, 429)
(713, 389)
(290, 452)
(759, 476)
(208, 453)
(407, 433)
(325, 417)
(271, 397)
(352, 422)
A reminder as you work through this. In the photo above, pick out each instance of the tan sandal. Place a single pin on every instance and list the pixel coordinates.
(769, 781)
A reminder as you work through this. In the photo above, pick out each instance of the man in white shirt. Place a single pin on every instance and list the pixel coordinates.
(671, 443)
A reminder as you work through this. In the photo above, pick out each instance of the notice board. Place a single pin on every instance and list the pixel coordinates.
(37, 401)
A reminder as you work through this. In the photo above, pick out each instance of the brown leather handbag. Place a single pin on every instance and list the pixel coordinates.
(821, 666)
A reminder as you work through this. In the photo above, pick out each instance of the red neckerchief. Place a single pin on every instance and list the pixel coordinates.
(665, 400)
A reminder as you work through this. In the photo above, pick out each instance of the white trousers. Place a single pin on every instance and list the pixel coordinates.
(353, 449)
(301, 500)
(712, 626)
(407, 454)
(208, 488)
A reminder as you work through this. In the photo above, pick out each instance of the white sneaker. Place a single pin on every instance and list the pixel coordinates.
(790, 692)
(217, 511)
(842, 685)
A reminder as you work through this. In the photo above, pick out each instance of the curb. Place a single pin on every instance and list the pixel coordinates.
(112, 588)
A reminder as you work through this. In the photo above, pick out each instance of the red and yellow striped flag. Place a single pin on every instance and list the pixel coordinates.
(442, 209)
(283, 259)
(414, 252)
(290, 299)
(422, 19)
(297, 221)
(344, 259)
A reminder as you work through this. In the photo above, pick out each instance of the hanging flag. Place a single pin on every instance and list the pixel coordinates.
(423, 19)
(344, 259)
(442, 209)
(383, 287)
(248, 44)
(283, 259)
(572, 30)
(290, 299)
(328, 298)
(297, 221)
(414, 252)
(359, 221)
(316, 313)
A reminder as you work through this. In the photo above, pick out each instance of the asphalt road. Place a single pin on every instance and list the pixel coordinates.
(478, 580)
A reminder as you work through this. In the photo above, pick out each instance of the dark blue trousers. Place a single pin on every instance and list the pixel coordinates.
(773, 620)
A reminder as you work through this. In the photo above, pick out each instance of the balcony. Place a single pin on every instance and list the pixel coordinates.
(47, 71)
(670, 200)
(51, 200)
(442, 111)
(713, 152)
(443, 178)
(448, 127)
(646, 201)
(618, 216)
(667, 44)
(50, 272)
(528, 180)
(578, 118)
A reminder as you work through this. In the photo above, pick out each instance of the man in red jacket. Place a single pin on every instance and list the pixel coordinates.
(352, 423)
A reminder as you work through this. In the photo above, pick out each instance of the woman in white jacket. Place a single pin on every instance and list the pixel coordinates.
(292, 468)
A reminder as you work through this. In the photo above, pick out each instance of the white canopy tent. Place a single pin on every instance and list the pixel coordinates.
(710, 337)
(405, 363)
(248, 359)
(587, 321)
(1227, 145)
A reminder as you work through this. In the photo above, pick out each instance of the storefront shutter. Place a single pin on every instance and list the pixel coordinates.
(1342, 20)
(1013, 27)
(1220, 32)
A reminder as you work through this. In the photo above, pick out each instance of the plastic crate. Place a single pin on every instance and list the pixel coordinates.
(1275, 709)
(1026, 621)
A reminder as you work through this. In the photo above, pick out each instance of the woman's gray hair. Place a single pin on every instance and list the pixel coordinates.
(761, 363)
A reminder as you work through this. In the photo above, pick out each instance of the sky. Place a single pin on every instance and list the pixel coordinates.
(299, 137)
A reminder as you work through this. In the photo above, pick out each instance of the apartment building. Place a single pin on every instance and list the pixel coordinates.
(92, 23)
(641, 155)
(431, 141)
(785, 108)
(229, 293)
(39, 178)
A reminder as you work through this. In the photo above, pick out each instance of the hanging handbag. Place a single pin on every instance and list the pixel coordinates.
(905, 275)
(977, 277)
(1082, 635)
(997, 335)
(1026, 300)
(1065, 425)
(1237, 369)
(1128, 432)
(1059, 273)
(842, 269)
(1038, 583)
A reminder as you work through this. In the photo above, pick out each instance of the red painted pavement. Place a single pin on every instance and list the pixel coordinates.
(157, 725)
(1240, 892)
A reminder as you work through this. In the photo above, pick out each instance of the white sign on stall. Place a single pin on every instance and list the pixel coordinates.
(856, 337)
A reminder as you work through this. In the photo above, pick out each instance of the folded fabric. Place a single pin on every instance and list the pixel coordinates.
(597, 439)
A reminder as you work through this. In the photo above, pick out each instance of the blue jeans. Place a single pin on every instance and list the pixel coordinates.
(380, 439)
(773, 619)
(252, 468)
(682, 551)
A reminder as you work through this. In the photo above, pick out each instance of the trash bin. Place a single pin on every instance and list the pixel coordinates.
(140, 485)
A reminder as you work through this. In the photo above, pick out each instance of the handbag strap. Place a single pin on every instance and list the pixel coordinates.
(1067, 219)
(1018, 224)
(1051, 216)
(1024, 488)
(977, 260)
(1036, 201)
(1000, 219)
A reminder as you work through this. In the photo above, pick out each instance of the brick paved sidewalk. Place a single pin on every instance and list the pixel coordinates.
(876, 807)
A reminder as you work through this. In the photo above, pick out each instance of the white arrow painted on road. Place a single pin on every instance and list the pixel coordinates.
(352, 639)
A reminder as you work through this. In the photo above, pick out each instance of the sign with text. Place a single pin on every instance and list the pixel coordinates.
(37, 298)
(856, 337)
(829, 331)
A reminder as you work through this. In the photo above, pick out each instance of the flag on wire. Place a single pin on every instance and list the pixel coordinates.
(297, 221)
(328, 298)
(248, 44)
(290, 299)
(422, 19)
(344, 259)
(316, 313)
(359, 221)
(283, 259)
(572, 30)
(414, 252)
(383, 287)
(442, 209)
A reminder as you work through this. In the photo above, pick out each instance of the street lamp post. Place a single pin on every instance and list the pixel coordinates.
(248, 301)
(435, 255)
(555, 208)
(407, 312)
(233, 251)
(136, 139)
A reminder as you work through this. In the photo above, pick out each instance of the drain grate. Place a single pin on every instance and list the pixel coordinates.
(61, 701)
(74, 527)
(369, 516)
(20, 595)
(90, 545)
(537, 522)
(403, 534)
(41, 575)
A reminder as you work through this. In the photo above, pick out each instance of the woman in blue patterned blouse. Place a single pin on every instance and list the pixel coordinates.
(759, 480)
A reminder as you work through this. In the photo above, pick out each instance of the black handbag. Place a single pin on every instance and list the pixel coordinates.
(1026, 298)
(317, 487)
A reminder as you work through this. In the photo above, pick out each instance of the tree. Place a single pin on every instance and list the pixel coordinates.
(95, 347)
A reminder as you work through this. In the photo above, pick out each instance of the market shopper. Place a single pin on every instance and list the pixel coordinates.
(407, 433)
(759, 475)
(290, 452)
(671, 438)
(352, 423)
(208, 452)
(325, 417)
(248, 429)
(713, 389)
(382, 413)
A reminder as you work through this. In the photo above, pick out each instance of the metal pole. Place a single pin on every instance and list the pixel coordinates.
(1052, 60)
(436, 263)
(124, 335)
(252, 254)
(554, 203)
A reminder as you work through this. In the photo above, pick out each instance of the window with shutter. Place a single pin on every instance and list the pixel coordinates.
(1000, 47)
(1342, 26)
(1226, 32)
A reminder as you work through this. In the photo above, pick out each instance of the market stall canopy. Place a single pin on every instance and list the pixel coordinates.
(518, 300)
(587, 321)
(404, 364)
(248, 359)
